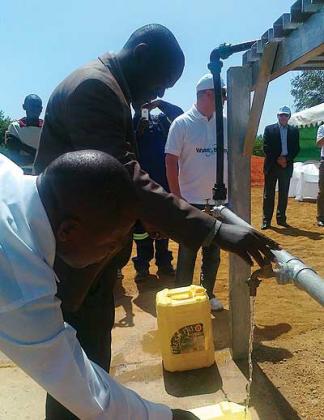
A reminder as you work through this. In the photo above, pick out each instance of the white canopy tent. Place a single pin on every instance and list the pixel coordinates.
(304, 182)
(308, 117)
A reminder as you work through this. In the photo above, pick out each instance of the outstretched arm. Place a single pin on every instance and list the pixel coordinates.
(36, 338)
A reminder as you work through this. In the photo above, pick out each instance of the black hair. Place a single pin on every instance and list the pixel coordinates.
(90, 184)
(32, 98)
(163, 44)
(153, 32)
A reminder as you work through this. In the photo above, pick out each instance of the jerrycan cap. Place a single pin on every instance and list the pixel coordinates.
(182, 295)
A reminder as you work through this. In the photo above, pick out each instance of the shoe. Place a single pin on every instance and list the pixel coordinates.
(320, 223)
(282, 223)
(215, 304)
(265, 225)
(166, 270)
(141, 276)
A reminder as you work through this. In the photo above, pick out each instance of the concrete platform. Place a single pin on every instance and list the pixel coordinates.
(137, 364)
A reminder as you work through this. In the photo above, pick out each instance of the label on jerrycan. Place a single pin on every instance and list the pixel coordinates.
(188, 339)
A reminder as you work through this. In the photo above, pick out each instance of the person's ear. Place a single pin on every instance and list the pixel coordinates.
(67, 230)
(23, 107)
(141, 53)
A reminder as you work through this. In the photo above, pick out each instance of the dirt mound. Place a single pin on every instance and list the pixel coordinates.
(257, 171)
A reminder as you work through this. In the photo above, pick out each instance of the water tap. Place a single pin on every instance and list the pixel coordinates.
(208, 208)
(255, 279)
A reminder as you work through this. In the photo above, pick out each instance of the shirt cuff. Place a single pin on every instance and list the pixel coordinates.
(172, 152)
(213, 232)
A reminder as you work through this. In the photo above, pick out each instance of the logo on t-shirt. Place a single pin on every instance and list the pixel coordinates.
(207, 151)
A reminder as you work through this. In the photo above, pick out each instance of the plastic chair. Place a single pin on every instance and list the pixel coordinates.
(307, 187)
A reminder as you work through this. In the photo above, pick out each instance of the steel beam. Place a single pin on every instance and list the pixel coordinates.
(238, 107)
(260, 90)
(303, 44)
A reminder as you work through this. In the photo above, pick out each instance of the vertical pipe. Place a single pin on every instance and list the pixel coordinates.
(219, 190)
(219, 129)
(238, 108)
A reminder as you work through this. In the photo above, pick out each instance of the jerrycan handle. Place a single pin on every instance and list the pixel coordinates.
(182, 294)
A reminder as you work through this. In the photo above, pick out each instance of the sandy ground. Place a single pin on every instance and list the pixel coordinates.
(289, 333)
(290, 325)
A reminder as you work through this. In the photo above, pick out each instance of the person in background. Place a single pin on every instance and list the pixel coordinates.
(52, 214)
(320, 197)
(22, 137)
(151, 135)
(280, 146)
(191, 170)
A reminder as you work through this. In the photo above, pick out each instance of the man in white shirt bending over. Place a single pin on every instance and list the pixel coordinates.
(77, 209)
(191, 172)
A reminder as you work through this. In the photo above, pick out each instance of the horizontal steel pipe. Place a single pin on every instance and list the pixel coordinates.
(302, 276)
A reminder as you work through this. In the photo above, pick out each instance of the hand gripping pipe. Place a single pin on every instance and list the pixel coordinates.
(291, 269)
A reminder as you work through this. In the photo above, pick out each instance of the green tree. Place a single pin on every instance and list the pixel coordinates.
(4, 123)
(308, 89)
(258, 146)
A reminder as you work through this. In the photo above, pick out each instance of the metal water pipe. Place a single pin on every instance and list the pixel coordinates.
(215, 66)
(290, 269)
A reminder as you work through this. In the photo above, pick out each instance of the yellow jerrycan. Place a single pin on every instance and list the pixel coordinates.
(185, 330)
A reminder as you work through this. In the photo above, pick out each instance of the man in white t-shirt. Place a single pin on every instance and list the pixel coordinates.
(320, 197)
(191, 172)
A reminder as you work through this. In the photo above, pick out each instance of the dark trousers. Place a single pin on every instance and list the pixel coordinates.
(93, 323)
(148, 248)
(320, 196)
(282, 175)
(186, 265)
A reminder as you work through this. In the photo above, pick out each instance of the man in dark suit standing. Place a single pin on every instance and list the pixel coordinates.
(280, 146)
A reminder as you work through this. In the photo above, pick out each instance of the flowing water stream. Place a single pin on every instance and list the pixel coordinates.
(248, 385)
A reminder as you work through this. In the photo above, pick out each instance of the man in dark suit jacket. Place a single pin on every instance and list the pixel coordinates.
(90, 109)
(281, 146)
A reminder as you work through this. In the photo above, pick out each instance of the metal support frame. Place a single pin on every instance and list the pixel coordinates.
(296, 40)
(260, 91)
(238, 107)
(302, 45)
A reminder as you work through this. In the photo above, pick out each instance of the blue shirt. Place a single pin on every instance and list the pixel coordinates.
(152, 143)
(283, 137)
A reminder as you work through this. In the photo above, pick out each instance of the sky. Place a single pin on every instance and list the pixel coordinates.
(43, 41)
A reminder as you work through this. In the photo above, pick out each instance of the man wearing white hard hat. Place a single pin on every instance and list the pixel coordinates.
(191, 172)
(280, 146)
